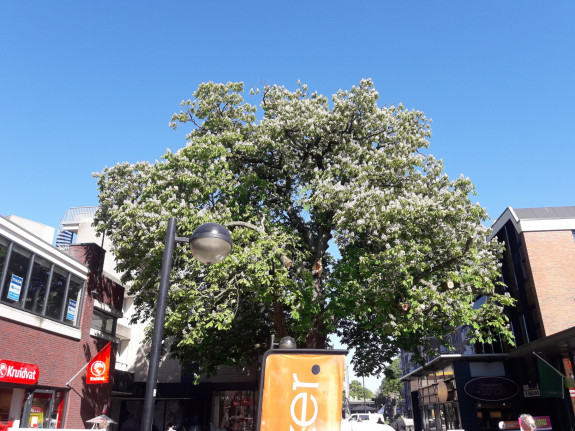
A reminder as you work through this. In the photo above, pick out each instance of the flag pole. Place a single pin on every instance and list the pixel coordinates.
(552, 367)
(76, 375)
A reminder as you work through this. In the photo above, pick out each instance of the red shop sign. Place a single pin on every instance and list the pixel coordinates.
(18, 372)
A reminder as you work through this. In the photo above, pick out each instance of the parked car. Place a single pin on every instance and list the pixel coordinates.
(364, 422)
(373, 417)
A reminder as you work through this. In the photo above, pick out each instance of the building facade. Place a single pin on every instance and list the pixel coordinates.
(477, 387)
(57, 311)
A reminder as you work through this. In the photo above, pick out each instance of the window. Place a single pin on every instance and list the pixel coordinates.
(73, 301)
(35, 284)
(57, 295)
(104, 322)
(3, 253)
(43, 409)
(234, 409)
(38, 286)
(15, 276)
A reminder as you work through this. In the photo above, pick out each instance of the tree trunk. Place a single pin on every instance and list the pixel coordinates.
(317, 337)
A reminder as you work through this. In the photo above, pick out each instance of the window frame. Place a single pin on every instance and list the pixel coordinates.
(54, 268)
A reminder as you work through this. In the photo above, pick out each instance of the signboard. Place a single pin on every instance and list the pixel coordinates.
(15, 287)
(72, 310)
(491, 388)
(301, 390)
(543, 423)
(509, 425)
(18, 372)
(36, 417)
(531, 390)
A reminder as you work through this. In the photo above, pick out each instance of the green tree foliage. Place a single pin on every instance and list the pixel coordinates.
(310, 172)
(356, 390)
(391, 385)
(390, 392)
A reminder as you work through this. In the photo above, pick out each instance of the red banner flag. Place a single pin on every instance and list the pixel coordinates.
(99, 366)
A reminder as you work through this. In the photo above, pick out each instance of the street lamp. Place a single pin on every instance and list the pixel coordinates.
(210, 243)
(287, 343)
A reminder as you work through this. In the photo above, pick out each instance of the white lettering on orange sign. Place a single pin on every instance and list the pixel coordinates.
(302, 420)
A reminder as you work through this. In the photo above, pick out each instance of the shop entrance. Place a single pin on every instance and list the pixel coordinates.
(490, 414)
(441, 417)
(43, 409)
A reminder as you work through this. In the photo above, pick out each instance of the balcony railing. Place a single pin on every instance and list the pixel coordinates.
(69, 224)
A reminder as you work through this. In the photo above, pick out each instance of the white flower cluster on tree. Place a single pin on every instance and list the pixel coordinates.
(310, 172)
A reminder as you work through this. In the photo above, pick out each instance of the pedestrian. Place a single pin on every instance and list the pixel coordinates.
(399, 424)
(526, 422)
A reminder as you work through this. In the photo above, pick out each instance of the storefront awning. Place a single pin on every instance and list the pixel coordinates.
(443, 361)
(556, 344)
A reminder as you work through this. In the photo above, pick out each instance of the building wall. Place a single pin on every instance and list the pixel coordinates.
(44, 232)
(87, 234)
(551, 260)
(60, 351)
(92, 399)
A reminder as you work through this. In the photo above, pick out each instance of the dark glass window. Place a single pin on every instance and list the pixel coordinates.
(47, 290)
(57, 294)
(3, 253)
(16, 275)
(104, 322)
(38, 285)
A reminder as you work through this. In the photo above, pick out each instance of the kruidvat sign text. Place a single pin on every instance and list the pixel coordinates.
(18, 372)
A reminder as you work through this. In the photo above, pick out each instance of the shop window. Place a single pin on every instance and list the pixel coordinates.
(15, 277)
(429, 418)
(38, 285)
(5, 400)
(44, 409)
(570, 381)
(104, 322)
(234, 410)
(452, 420)
(490, 414)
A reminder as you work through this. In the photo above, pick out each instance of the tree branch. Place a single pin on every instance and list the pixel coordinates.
(286, 261)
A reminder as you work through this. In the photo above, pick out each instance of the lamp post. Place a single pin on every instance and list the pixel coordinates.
(363, 384)
(210, 243)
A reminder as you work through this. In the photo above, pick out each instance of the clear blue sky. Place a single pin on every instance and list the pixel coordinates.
(85, 84)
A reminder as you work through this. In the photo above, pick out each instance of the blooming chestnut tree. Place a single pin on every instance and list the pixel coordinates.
(342, 222)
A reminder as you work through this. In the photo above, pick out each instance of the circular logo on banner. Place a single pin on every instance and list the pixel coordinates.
(3, 369)
(98, 368)
(491, 388)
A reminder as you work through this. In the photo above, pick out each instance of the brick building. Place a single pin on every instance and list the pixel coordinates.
(476, 387)
(57, 311)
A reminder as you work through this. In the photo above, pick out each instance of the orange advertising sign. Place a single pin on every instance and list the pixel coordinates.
(302, 390)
